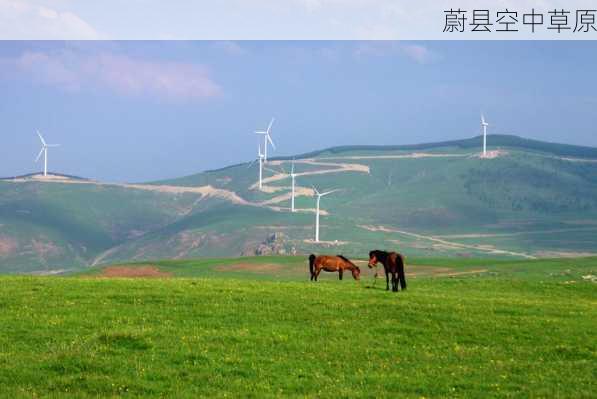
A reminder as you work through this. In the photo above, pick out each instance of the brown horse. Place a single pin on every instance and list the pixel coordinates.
(332, 264)
(393, 263)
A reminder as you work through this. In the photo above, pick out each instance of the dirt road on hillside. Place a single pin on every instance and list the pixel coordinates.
(450, 244)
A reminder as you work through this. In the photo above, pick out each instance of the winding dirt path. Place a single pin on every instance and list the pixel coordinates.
(515, 234)
(204, 191)
(451, 244)
(228, 195)
(329, 167)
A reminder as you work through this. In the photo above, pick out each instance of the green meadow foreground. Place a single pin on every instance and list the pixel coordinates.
(464, 328)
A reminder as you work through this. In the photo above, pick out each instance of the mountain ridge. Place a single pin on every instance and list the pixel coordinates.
(433, 203)
(503, 140)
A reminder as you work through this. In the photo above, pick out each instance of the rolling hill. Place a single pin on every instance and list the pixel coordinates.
(526, 199)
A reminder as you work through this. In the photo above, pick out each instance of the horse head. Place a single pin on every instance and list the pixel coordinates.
(356, 273)
(372, 259)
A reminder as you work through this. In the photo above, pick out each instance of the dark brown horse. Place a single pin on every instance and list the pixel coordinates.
(393, 263)
(332, 264)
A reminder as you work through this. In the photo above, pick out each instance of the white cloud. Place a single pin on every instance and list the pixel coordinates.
(416, 52)
(23, 20)
(71, 71)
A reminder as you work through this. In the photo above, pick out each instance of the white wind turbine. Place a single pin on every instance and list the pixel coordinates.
(484, 127)
(266, 137)
(319, 195)
(44, 150)
(260, 160)
(293, 177)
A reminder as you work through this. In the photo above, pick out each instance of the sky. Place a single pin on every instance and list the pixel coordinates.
(147, 110)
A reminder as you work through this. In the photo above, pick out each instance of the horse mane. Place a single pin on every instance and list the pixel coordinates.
(379, 253)
(344, 258)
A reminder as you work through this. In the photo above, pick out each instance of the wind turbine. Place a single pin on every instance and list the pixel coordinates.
(260, 160)
(319, 195)
(292, 176)
(484, 127)
(44, 150)
(267, 137)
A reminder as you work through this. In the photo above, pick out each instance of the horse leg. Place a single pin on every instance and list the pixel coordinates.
(401, 275)
(387, 281)
(317, 273)
(394, 282)
(314, 273)
(340, 272)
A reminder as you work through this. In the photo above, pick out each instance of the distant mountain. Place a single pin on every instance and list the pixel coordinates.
(39, 175)
(497, 140)
(526, 199)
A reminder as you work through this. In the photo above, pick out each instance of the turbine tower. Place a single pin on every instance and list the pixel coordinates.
(319, 195)
(44, 150)
(484, 127)
(260, 160)
(292, 177)
(267, 137)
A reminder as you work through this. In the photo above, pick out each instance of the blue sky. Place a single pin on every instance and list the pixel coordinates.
(138, 111)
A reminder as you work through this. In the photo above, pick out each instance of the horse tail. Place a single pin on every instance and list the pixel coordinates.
(400, 263)
(312, 264)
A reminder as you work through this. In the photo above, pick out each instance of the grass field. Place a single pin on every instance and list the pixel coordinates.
(518, 328)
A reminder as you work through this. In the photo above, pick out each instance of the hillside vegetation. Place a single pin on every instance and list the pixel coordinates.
(528, 199)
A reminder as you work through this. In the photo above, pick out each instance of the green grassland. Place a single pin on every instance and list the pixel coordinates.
(534, 205)
(517, 329)
(295, 268)
(65, 226)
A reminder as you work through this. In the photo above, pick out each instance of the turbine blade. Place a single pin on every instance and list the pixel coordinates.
(41, 138)
(269, 128)
(329, 192)
(39, 155)
(317, 192)
(260, 132)
(270, 141)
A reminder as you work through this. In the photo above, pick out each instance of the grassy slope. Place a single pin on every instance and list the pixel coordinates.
(65, 225)
(540, 199)
(295, 268)
(549, 203)
(526, 332)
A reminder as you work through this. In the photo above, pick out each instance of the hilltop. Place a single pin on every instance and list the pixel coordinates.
(528, 199)
(497, 140)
